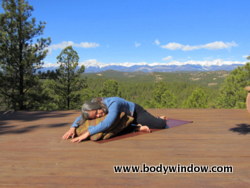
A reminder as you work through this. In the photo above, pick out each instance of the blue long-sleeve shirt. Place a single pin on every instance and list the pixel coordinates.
(115, 106)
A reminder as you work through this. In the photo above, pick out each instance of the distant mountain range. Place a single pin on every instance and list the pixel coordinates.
(154, 68)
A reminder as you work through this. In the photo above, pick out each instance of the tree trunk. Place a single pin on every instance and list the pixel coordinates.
(20, 60)
(68, 89)
(21, 89)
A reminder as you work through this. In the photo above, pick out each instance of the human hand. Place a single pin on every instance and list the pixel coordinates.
(69, 134)
(77, 139)
(81, 138)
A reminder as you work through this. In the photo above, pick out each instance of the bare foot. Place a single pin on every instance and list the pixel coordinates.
(143, 128)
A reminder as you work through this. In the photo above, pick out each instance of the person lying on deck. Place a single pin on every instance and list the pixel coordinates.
(113, 106)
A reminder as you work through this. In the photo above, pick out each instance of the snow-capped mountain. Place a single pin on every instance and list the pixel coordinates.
(162, 68)
(93, 66)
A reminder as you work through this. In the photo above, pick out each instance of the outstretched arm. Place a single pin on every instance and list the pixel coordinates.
(71, 133)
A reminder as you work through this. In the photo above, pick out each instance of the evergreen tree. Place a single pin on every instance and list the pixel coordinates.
(158, 90)
(168, 100)
(110, 89)
(20, 55)
(198, 99)
(69, 83)
(232, 93)
(162, 97)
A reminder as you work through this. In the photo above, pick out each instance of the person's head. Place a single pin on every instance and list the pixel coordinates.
(92, 110)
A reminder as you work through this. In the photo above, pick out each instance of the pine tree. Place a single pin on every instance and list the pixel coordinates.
(21, 53)
(159, 89)
(198, 99)
(168, 100)
(69, 84)
(110, 89)
(162, 97)
(232, 93)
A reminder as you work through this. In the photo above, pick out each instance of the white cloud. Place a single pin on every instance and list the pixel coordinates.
(167, 58)
(48, 64)
(157, 42)
(87, 45)
(137, 44)
(217, 45)
(245, 56)
(64, 44)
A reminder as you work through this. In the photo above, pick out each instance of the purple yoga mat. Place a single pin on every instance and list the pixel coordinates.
(170, 123)
(175, 122)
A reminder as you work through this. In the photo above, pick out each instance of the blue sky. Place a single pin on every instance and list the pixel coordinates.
(147, 31)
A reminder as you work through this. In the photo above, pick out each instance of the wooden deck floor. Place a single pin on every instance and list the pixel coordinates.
(32, 153)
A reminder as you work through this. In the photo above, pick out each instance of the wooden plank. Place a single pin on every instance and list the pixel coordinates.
(32, 153)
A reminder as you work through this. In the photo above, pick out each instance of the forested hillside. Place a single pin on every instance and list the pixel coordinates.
(140, 87)
(217, 89)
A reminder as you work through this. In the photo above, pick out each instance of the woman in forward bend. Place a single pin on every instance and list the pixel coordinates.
(113, 106)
